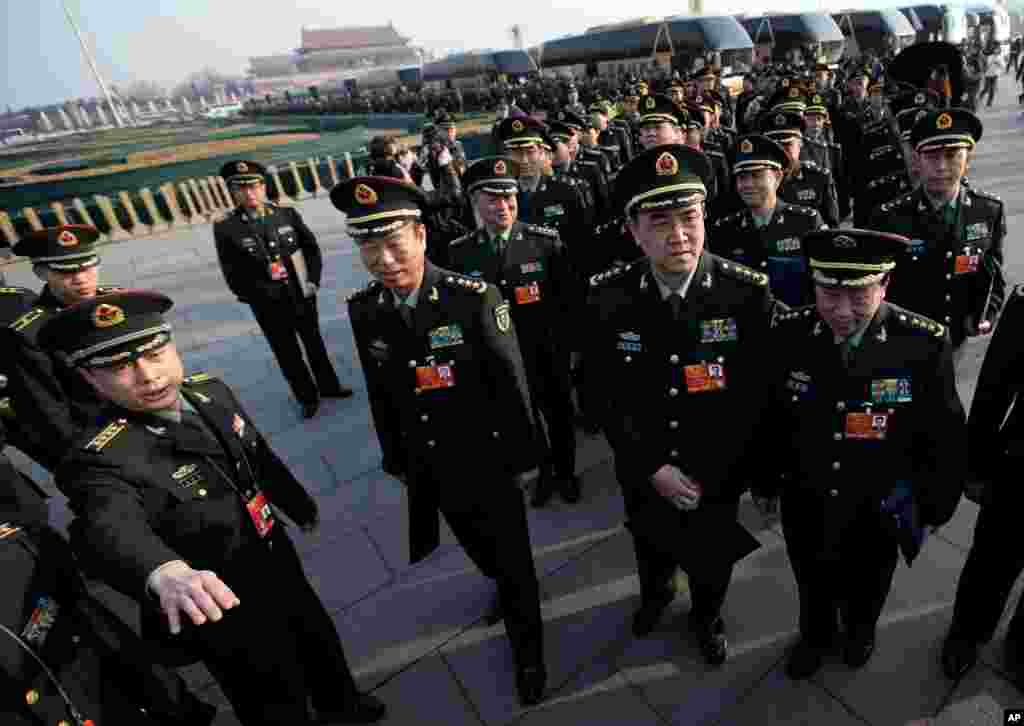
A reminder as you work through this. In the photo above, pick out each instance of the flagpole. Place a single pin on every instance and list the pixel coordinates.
(92, 65)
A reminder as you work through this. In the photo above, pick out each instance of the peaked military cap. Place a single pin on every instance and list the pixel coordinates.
(755, 151)
(493, 174)
(782, 125)
(377, 205)
(572, 120)
(521, 131)
(789, 97)
(444, 120)
(659, 109)
(816, 105)
(907, 119)
(600, 106)
(694, 115)
(851, 257)
(913, 98)
(240, 173)
(560, 131)
(950, 127)
(108, 329)
(663, 177)
(67, 248)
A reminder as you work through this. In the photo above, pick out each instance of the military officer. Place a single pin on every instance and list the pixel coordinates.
(821, 148)
(673, 342)
(806, 183)
(952, 269)
(530, 267)
(565, 163)
(611, 140)
(449, 398)
(48, 402)
(271, 261)
(176, 495)
(995, 441)
(866, 429)
(63, 655)
(766, 233)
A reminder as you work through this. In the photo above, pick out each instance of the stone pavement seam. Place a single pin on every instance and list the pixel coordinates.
(463, 690)
(392, 573)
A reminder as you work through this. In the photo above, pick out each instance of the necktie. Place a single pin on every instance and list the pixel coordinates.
(676, 304)
(406, 312)
(846, 353)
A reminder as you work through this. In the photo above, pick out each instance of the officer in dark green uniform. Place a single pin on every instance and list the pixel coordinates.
(65, 658)
(766, 234)
(806, 183)
(866, 430)
(271, 261)
(176, 495)
(673, 351)
(530, 267)
(952, 269)
(48, 402)
(450, 403)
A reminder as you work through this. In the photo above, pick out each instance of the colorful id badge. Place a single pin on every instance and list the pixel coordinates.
(41, 621)
(528, 294)
(965, 264)
(867, 426)
(702, 377)
(432, 378)
(278, 271)
(261, 514)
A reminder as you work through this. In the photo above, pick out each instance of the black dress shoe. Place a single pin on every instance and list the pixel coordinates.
(647, 616)
(340, 392)
(958, 656)
(804, 661)
(569, 488)
(364, 708)
(543, 491)
(857, 651)
(712, 641)
(309, 409)
(496, 612)
(530, 682)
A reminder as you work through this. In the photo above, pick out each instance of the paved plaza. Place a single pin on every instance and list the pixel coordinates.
(415, 635)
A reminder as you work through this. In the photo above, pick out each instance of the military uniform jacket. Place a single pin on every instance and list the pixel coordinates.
(148, 491)
(532, 272)
(838, 436)
(684, 393)
(589, 171)
(247, 245)
(449, 397)
(48, 402)
(775, 249)
(953, 275)
(557, 205)
(812, 186)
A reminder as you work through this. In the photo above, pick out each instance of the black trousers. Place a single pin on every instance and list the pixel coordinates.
(279, 648)
(495, 534)
(842, 570)
(550, 383)
(989, 90)
(284, 325)
(993, 565)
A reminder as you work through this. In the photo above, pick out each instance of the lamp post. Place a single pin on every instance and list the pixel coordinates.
(92, 65)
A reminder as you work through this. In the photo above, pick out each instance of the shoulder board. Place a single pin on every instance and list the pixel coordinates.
(198, 378)
(15, 291)
(603, 277)
(898, 202)
(110, 432)
(742, 272)
(460, 240)
(801, 209)
(461, 282)
(801, 313)
(913, 321)
(985, 195)
(728, 218)
(108, 289)
(537, 229)
(372, 289)
(27, 319)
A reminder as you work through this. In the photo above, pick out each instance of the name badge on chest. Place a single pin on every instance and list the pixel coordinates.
(277, 270)
(261, 513)
(704, 377)
(434, 377)
(41, 621)
(965, 264)
(528, 294)
(867, 426)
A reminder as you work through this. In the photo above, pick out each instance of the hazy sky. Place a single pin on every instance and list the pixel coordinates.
(165, 40)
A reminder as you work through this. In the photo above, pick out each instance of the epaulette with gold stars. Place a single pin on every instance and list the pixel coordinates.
(603, 277)
(6, 409)
(728, 218)
(913, 321)
(27, 319)
(537, 229)
(801, 209)
(884, 179)
(986, 195)
(15, 291)
(107, 289)
(788, 316)
(110, 432)
(461, 282)
(197, 378)
(460, 240)
(898, 202)
(742, 272)
(371, 289)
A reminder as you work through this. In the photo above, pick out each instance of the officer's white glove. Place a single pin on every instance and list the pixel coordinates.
(200, 594)
(311, 289)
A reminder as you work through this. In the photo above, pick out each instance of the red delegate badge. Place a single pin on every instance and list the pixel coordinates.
(261, 513)
(867, 426)
(278, 271)
(702, 377)
(528, 294)
(966, 264)
(432, 378)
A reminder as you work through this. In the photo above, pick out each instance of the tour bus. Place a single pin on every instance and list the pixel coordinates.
(795, 37)
(879, 31)
(946, 22)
